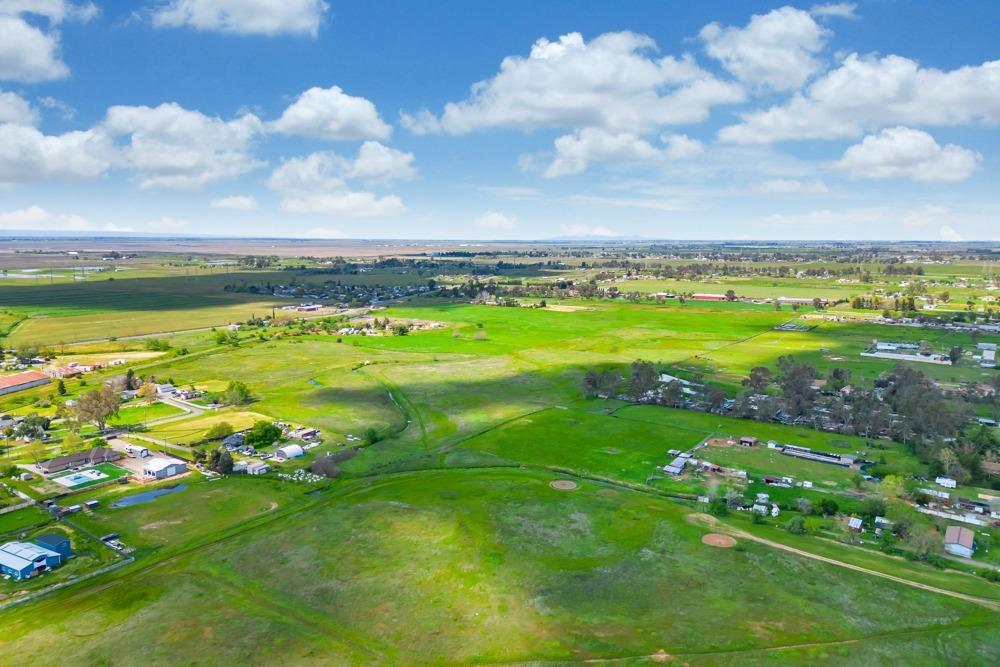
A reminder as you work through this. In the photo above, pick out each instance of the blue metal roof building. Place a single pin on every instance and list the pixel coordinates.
(23, 559)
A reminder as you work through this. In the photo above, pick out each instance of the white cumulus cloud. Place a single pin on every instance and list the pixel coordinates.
(317, 183)
(574, 152)
(777, 49)
(615, 82)
(15, 109)
(330, 113)
(27, 53)
(902, 152)
(866, 93)
(27, 155)
(173, 147)
(245, 17)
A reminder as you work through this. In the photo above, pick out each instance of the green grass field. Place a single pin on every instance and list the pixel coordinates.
(133, 415)
(444, 543)
(91, 310)
(430, 567)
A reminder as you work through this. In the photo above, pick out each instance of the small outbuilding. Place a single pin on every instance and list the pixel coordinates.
(748, 441)
(258, 469)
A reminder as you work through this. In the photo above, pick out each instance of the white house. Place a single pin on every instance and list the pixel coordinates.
(288, 452)
(946, 482)
(959, 541)
(160, 467)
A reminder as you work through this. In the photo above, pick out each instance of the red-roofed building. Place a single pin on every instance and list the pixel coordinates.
(960, 541)
(20, 381)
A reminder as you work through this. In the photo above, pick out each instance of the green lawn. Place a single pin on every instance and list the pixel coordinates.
(111, 470)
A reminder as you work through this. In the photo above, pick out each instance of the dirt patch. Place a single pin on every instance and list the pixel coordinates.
(701, 517)
(612, 450)
(160, 524)
(564, 485)
(272, 507)
(718, 540)
(720, 442)
(561, 308)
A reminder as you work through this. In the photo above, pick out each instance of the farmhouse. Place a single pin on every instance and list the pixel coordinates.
(959, 541)
(288, 452)
(77, 459)
(676, 466)
(160, 467)
(304, 433)
(20, 381)
(21, 560)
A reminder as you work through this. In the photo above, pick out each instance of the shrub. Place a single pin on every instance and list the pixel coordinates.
(219, 431)
(325, 466)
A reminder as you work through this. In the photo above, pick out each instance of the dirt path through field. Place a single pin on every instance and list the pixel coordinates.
(989, 604)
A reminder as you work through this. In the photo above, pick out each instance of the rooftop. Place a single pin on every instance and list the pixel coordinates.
(17, 379)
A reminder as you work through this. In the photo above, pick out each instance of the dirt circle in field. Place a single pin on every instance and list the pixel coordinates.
(718, 540)
(564, 485)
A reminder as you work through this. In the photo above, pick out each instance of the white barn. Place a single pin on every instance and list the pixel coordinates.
(160, 467)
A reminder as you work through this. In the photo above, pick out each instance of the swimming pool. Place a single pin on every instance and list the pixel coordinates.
(78, 478)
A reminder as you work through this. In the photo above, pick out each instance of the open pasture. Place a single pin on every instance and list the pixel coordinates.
(835, 344)
(586, 444)
(92, 310)
(309, 380)
(418, 577)
(192, 430)
(177, 520)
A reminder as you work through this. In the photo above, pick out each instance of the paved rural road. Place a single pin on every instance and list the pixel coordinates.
(990, 604)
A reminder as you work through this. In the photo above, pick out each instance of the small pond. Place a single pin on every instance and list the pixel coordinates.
(148, 496)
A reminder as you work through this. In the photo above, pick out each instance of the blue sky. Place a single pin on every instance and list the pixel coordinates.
(519, 120)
